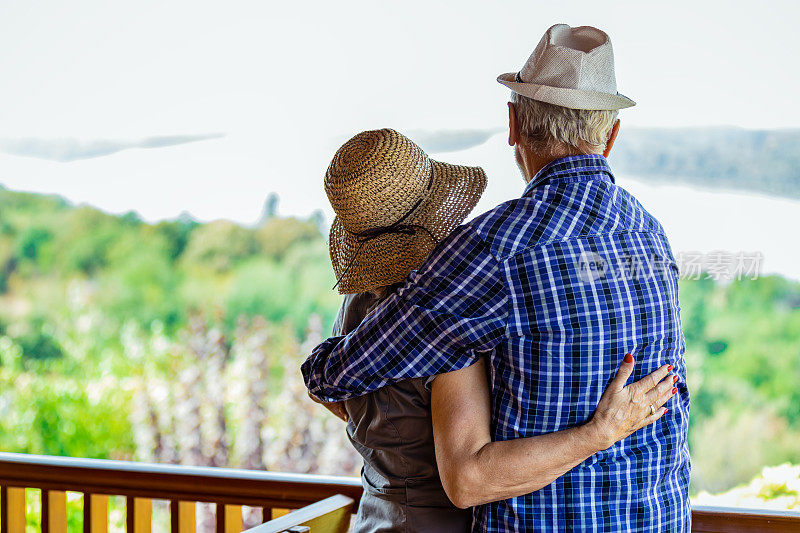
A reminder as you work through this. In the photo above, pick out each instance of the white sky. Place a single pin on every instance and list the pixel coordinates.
(286, 82)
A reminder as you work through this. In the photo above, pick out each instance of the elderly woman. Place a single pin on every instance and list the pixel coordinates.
(424, 462)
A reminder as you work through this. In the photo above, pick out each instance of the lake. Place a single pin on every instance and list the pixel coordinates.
(695, 219)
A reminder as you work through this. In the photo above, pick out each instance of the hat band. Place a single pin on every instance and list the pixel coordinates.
(396, 228)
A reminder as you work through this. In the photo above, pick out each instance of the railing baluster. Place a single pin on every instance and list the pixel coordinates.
(54, 511)
(233, 519)
(229, 518)
(100, 519)
(130, 522)
(220, 518)
(139, 515)
(174, 516)
(44, 508)
(186, 511)
(181, 516)
(95, 513)
(87, 512)
(12, 507)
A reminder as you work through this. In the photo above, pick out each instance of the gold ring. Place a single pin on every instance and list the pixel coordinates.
(652, 410)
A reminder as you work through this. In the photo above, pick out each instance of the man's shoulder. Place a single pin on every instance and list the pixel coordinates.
(471, 240)
(489, 226)
(559, 212)
(513, 225)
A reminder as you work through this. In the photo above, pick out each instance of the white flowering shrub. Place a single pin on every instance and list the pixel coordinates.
(776, 488)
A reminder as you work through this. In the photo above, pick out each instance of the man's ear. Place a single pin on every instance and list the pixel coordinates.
(611, 138)
(513, 131)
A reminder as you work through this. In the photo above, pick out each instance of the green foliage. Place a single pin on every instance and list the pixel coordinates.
(277, 236)
(85, 239)
(289, 290)
(60, 415)
(218, 246)
(31, 241)
(140, 280)
(158, 272)
(261, 287)
(743, 355)
(745, 334)
(39, 345)
(176, 233)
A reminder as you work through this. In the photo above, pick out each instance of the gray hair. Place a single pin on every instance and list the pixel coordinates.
(548, 128)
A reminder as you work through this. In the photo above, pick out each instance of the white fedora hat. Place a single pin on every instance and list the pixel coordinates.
(570, 67)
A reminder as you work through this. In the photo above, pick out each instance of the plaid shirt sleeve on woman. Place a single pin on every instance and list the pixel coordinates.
(448, 311)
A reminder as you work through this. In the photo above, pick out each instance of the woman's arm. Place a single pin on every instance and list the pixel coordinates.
(474, 470)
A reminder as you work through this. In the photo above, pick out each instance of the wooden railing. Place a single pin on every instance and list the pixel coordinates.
(735, 520)
(141, 483)
(230, 489)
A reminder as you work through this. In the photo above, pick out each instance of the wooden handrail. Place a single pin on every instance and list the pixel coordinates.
(172, 482)
(734, 520)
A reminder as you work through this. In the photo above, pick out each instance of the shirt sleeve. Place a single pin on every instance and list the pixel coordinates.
(448, 311)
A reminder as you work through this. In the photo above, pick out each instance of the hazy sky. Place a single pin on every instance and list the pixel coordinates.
(276, 86)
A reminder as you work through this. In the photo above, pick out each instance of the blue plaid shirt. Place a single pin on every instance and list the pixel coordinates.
(557, 286)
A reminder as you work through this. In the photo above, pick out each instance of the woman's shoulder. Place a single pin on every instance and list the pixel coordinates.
(355, 307)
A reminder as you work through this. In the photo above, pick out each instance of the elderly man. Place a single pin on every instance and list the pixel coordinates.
(554, 286)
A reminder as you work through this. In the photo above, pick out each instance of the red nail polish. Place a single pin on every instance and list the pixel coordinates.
(665, 410)
(669, 368)
(674, 390)
(674, 379)
(628, 358)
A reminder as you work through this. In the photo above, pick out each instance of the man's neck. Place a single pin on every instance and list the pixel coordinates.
(532, 162)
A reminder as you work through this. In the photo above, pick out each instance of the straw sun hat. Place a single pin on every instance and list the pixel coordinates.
(393, 204)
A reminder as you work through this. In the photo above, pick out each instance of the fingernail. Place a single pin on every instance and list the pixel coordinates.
(665, 409)
(674, 390)
(674, 379)
(669, 368)
(628, 358)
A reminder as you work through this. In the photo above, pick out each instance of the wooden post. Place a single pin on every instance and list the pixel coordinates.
(95, 513)
(12, 507)
(233, 519)
(229, 518)
(54, 511)
(139, 514)
(182, 517)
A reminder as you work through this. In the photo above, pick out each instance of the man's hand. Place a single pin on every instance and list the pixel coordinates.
(337, 408)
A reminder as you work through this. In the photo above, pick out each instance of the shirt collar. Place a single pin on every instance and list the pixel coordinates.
(581, 167)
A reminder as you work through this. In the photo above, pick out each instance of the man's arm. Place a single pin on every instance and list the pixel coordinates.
(474, 470)
(450, 309)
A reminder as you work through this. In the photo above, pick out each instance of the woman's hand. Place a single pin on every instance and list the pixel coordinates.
(625, 409)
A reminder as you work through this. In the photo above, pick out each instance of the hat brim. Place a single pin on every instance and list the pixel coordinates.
(571, 98)
(363, 266)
